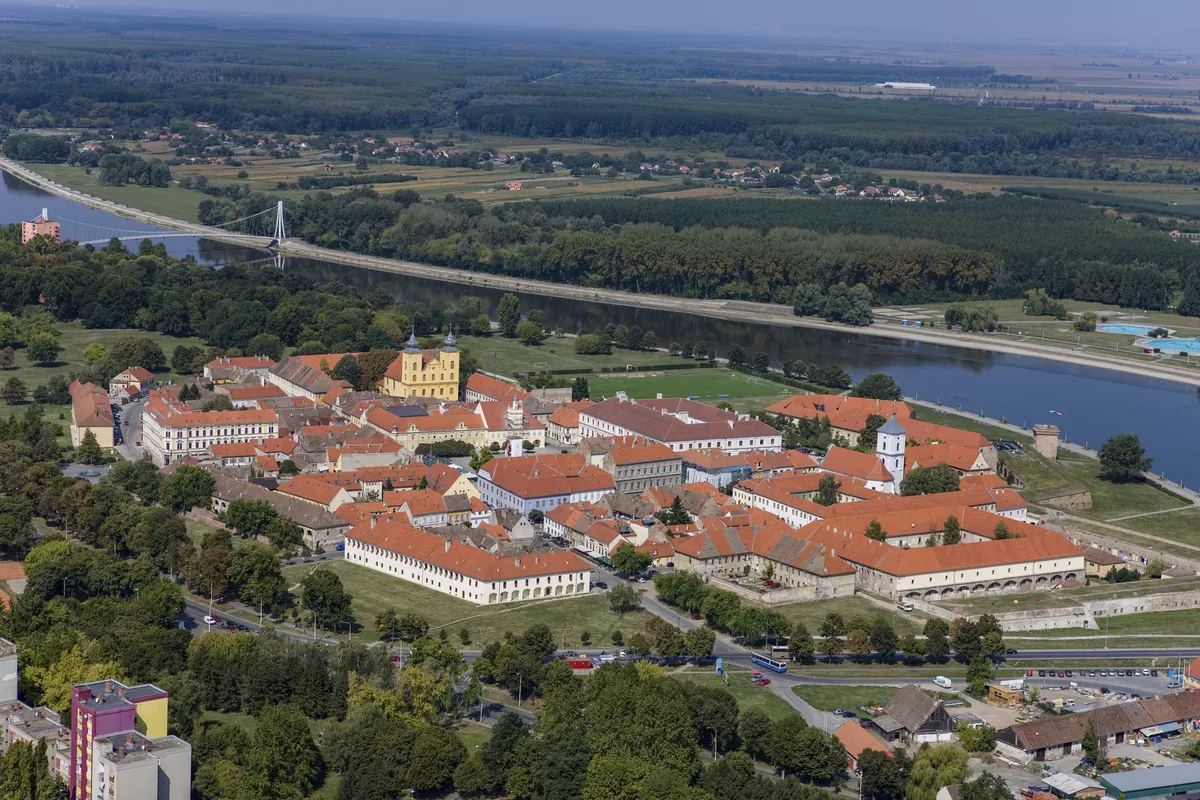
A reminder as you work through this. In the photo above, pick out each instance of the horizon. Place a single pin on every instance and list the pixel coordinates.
(1060, 23)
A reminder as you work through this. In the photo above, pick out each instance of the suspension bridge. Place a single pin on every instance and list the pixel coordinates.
(263, 228)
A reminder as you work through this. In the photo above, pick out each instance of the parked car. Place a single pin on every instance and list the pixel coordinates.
(696, 616)
(1028, 673)
(1153, 673)
(839, 712)
(1070, 674)
(211, 620)
(1041, 673)
(849, 714)
(341, 546)
(1091, 673)
(763, 681)
(600, 585)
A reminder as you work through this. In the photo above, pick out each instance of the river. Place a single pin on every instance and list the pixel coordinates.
(1094, 403)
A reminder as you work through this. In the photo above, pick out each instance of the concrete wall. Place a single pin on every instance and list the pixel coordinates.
(774, 597)
(1135, 553)
(1164, 601)
(1044, 619)
(1073, 500)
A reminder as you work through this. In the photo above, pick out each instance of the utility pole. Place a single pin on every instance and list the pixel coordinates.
(520, 679)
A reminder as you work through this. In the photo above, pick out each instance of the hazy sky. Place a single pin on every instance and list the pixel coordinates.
(1099, 21)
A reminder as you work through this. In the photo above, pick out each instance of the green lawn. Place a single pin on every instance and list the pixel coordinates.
(196, 531)
(510, 357)
(747, 694)
(74, 338)
(926, 414)
(1063, 598)
(709, 385)
(812, 613)
(850, 698)
(59, 415)
(248, 723)
(1182, 525)
(473, 734)
(568, 617)
(173, 201)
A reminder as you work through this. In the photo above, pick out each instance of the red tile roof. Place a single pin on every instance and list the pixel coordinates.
(357, 513)
(171, 414)
(495, 389)
(234, 450)
(567, 415)
(245, 362)
(865, 466)
(140, 374)
(398, 537)
(846, 413)
(855, 738)
(547, 476)
(90, 405)
(317, 488)
(256, 392)
(662, 420)
(641, 455)
(420, 502)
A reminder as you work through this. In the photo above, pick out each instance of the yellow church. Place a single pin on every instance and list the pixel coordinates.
(424, 373)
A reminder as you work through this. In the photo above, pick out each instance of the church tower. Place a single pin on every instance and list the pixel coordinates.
(889, 447)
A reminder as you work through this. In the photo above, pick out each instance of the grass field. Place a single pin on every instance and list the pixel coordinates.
(747, 694)
(813, 613)
(850, 698)
(510, 357)
(1182, 525)
(173, 200)
(568, 617)
(1076, 472)
(706, 384)
(74, 338)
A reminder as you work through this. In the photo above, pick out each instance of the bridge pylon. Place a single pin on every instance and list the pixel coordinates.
(280, 233)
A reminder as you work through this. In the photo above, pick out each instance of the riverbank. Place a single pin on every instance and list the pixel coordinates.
(734, 310)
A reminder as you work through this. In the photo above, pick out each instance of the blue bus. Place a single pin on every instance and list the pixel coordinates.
(773, 664)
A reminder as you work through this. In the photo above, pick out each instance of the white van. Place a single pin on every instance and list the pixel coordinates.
(905, 607)
(942, 681)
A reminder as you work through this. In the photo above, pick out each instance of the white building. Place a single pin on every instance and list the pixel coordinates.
(171, 430)
(679, 424)
(527, 483)
(460, 570)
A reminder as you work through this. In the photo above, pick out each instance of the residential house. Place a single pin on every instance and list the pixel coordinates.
(91, 411)
(424, 508)
(172, 430)
(527, 483)
(857, 740)
(562, 426)
(635, 469)
(320, 528)
(723, 469)
(326, 491)
(482, 388)
(220, 370)
(915, 717)
(129, 384)
(307, 376)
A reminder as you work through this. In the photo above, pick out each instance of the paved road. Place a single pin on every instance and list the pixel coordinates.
(131, 433)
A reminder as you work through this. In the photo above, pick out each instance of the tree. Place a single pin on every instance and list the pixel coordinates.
(88, 451)
(761, 361)
(94, 352)
(14, 391)
(472, 778)
(833, 628)
(579, 389)
(858, 644)
(528, 333)
(221, 402)
(981, 739)
(347, 369)
(827, 490)
(188, 487)
(785, 745)
(250, 518)
(481, 456)
(255, 572)
(754, 729)
(623, 598)
(675, 514)
(436, 754)
(284, 761)
(875, 531)
(1154, 568)
(937, 642)
(323, 595)
(883, 777)
(912, 647)
(930, 480)
(42, 348)
(736, 355)
(979, 672)
(385, 623)
(8, 357)
(1095, 746)
(807, 300)
(1123, 458)
(268, 345)
(951, 532)
(509, 311)
(1001, 531)
(933, 768)
(883, 639)
(284, 534)
(628, 560)
(699, 641)
(877, 386)
(986, 787)
(800, 643)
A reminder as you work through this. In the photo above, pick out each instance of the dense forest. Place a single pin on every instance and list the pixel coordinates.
(115, 71)
(761, 249)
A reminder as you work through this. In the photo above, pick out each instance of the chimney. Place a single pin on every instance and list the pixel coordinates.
(373, 518)
(517, 561)
(108, 687)
(45, 215)
(447, 545)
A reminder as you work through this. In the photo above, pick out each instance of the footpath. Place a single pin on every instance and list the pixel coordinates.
(736, 310)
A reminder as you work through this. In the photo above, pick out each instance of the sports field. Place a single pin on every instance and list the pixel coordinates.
(707, 385)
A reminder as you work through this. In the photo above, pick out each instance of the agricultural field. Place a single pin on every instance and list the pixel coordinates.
(173, 201)
(567, 618)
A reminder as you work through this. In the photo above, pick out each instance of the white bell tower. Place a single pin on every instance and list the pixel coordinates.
(889, 447)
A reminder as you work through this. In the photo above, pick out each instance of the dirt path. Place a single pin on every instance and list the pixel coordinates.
(738, 310)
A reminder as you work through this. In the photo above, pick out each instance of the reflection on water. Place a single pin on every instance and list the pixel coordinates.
(1095, 403)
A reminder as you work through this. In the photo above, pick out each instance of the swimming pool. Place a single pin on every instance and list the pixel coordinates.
(1132, 330)
(1175, 345)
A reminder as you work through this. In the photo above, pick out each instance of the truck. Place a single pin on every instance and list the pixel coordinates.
(579, 663)
(942, 681)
